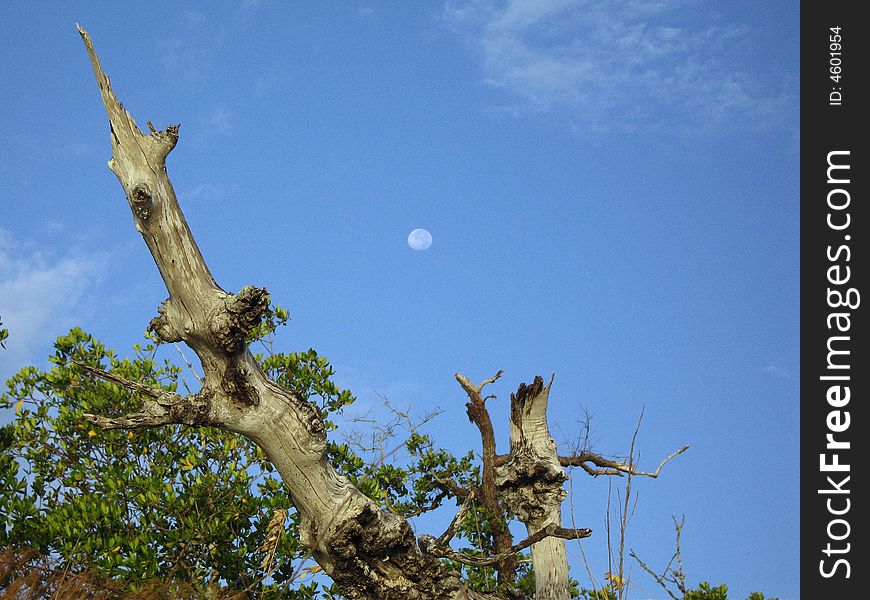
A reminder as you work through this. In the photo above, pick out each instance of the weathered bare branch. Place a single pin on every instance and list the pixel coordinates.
(435, 547)
(160, 407)
(487, 493)
(161, 396)
(554, 531)
(448, 534)
(476, 390)
(677, 577)
(610, 466)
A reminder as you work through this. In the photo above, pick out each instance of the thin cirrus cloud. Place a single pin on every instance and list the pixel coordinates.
(778, 371)
(627, 65)
(41, 295)
(219, 120)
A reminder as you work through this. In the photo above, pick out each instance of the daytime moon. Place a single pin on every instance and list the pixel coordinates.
(419, 239)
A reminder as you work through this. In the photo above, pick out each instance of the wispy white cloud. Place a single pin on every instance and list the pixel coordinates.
(203, 192)
(617, 65)
(778, 371)
(219, 120)
(271, 82)
(41, 295)
(187, 60)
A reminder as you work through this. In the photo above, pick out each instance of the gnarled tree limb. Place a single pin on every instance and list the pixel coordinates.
(612, 467)
(370, 553)
(159, 408)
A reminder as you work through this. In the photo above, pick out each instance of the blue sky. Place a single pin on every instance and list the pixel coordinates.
(611, 187)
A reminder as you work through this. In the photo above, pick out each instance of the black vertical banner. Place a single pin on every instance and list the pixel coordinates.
(835, 369)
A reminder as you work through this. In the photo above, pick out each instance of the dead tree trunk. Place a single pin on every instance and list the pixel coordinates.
(530, 483)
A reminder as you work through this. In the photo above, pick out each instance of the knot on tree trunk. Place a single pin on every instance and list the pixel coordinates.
(374, 554)
(141, 201)
(238, 385)
(530, 482)
(238, 316)
(195, 410)
(162, 323)
(529, 488)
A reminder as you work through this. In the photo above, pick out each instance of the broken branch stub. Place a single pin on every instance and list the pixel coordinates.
(530, 483)
(531, 480)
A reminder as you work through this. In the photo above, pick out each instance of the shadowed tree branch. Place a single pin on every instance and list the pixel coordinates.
(488, 492)
(436, 547)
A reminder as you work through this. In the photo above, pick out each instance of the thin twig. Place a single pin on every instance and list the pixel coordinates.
(653, 573)
(592, 580)
(607, 522)
(187, 362)
(626, 513)
(678, 576)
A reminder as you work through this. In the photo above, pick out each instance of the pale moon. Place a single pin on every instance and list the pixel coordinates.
(419, 239)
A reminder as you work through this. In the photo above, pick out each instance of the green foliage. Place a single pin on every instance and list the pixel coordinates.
(177, 503)
(4, 333)
(605, 593)
(431, 476)
(706, 592)
(191, 506)
(760, 596)
(308, 375)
